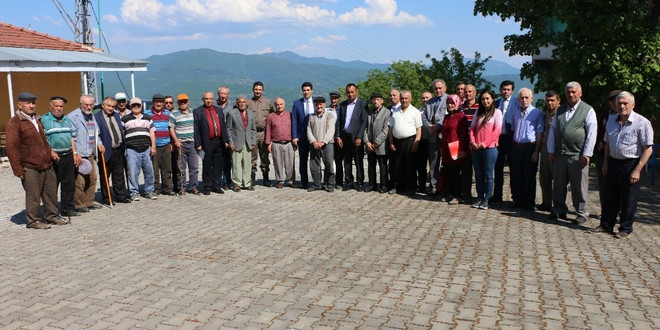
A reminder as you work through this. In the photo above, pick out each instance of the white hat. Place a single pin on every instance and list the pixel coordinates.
(85, 167)
(120, 96)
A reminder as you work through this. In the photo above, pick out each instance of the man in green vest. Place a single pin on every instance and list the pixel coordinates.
(571, 142)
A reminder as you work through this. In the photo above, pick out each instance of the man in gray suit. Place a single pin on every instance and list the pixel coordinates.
(375, 139)
(242, 139)
(348, 136)
(432, 116)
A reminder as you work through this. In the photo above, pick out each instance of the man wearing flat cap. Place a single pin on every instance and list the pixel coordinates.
(31, 160)
(61, 135)
(162, 160)
(320, 133)
(375, 140)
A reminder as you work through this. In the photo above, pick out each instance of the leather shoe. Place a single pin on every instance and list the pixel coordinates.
(83, 210)
(219, 191)
(292, 185)
(267, 184)
(622, 234)
(345, 187)
(38, 225)
(206, 192)
(249, 188)
(70, 213)
(542, 207)
(280, 185)
(236, 188)
(599, 229)
(168, 193)
(123, 200)
(57, 221)
(555, 216)
(579, 220)
(194, 191)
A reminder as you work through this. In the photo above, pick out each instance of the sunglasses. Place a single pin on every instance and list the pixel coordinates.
(136, 105)
(169, 102)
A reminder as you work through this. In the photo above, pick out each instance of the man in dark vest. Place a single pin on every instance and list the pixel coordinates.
(571, 142)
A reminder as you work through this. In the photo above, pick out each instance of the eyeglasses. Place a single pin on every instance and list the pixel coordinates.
(136, 105)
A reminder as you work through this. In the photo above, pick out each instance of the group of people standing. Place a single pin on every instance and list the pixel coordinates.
(432, 150)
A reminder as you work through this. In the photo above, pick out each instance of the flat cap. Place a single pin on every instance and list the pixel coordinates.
(376, 95)
(319, 99)
(59, 98)
(158, 97)
(26, 96)
(613, 94)
(334, 95)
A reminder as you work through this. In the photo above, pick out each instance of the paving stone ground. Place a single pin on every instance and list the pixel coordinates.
(286, 258)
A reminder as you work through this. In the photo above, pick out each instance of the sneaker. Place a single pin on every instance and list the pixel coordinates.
(476, 204)
(483, 205)
(150, 195)
(135, 197)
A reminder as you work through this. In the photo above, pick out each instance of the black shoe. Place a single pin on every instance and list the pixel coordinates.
(517, 205)
(543, 207)
(579, 220)
(346, 187)
(123, 200)
(555, 216)
(218, 191)
(206, 192)
(313, 189)
(168, 193)
(83, 210)
(368, 188)
(495, 200)
(358, 188)
(382, 189)
(225, 187)
(70, 213)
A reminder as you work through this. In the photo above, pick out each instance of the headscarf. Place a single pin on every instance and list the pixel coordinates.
(454, 98)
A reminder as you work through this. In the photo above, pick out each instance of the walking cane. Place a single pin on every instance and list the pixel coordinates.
(105, 176)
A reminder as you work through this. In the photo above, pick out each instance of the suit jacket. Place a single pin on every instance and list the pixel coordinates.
(507, 119)
(377, 129)
(358, 120)
(299, 121)
(239, 136)
(202, 127)
(106, 134)
(434, 112)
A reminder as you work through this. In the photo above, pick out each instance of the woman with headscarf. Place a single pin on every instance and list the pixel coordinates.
(455, 146)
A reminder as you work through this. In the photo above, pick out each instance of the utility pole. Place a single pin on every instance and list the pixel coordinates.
(85, 38)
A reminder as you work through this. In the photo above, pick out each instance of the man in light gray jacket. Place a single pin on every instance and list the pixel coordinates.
(320, 133)
(242, 139)
(375, 137)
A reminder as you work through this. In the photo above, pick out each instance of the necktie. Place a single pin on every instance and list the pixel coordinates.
(115, 132)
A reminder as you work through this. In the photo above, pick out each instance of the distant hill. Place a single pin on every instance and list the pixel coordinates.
(198, 70)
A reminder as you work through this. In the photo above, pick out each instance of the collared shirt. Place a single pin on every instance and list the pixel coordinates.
(110, 121)
(349, 114)
(261, 108)
(395, 107)
(309, 106)
(591, 125)
(161, 122)
(278, 127)
(59, 132)
(405, 123)
(527, 125)
(184, 125)
(626, 141)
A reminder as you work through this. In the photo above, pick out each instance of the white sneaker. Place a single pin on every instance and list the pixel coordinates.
(135, 197)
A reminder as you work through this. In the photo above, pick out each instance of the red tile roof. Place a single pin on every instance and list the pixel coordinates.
(18, 37)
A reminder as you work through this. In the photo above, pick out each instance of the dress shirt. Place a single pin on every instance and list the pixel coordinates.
(309, 106)
(405, 123)
(626, 141)
(591, 125)
(278, 127)
(528, 125)
(349, 113)
(113, 127)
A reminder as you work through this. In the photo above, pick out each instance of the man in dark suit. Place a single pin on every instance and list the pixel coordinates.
(507, 104)
(211, 137)
(349, 132)
(300, 112)
(112, 137)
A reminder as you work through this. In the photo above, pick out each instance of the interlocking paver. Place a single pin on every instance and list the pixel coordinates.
(283, 258)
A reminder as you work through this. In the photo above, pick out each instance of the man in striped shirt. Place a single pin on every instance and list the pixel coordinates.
(61, 138)
(183, 124)
(140, 146)
(162, 160)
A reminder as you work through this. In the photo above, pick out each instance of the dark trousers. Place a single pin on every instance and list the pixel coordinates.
(381, 161)
(503, 154)
(40, 185)
(339, 164)
(422, 159)
(325, 156)
(115, 169)
(598, 160)
(403, 165)
(213, 165)
(162, 162)
(303, 154)
(65, 170)
(454, 176)
(466, 178)
(353, 154)
(226, 177)
(523, 174)
(621, 197)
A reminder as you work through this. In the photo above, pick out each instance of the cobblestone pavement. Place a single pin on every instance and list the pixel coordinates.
(286, 258)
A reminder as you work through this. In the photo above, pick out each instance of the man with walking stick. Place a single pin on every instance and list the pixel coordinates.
(111, 162)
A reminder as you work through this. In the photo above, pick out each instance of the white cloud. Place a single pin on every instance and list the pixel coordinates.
(127, 37)
(251, 35)
(109, 19)
(329, 39)
(265, 50)
(157, 15)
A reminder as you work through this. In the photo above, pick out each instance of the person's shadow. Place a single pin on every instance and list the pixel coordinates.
(20, 218)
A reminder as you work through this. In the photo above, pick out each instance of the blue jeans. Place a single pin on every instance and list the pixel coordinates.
(484, 169)
(135, 161)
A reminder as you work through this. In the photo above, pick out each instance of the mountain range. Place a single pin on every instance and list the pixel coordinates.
(198, 70)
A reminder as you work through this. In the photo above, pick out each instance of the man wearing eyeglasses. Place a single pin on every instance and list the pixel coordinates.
(162, 160)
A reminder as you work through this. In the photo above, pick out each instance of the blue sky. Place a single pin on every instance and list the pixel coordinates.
(377, 31)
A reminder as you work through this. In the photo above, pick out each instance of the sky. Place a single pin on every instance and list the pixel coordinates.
(374, 31)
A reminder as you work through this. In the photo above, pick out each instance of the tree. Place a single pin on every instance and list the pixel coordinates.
(417, 77)
(603, 45)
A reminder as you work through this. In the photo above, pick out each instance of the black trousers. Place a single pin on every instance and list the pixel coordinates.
(115, 171)
(523, 174)
(621, 197)
(466, 178)
(403, 165)
(213, 165)
(381, 161)
(422, 159)
(352, 154)
(65, 171)
(339, 164)
(503, 153)
(454, 185)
